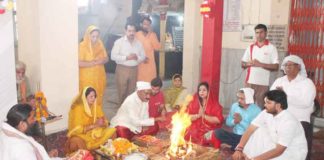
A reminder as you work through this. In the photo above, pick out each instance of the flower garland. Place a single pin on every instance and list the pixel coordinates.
(41, 106)
(6, 5)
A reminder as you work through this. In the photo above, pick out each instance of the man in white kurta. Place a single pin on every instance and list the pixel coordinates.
(300, 92)
(274, 134)
(14, 143)
(133, 114)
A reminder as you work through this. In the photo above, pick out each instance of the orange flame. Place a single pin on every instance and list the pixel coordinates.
(180, 122)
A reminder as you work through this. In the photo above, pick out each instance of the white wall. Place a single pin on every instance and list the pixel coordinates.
(29, 39)
(8, 94)
(48, 43)
(268, 12)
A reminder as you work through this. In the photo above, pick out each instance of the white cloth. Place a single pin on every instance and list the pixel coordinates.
(283, 129)
(141, 85)
(123, 48)
(301, 93)
(266, 54)
(15, 145)
(249, 94)
(297, 60)
(133, 114)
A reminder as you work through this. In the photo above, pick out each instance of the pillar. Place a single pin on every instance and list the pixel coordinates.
(192, 42)
(48, 44)
(8, 94)
(212, 46)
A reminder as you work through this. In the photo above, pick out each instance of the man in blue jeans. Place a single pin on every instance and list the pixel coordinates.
(240, 117)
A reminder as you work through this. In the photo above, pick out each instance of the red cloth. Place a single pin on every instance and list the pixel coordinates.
(154, 104)
(151, 130)
(124, 132)
(201, 126)
(154, 111)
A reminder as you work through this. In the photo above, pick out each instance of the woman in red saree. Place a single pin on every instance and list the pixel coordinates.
(206, 115)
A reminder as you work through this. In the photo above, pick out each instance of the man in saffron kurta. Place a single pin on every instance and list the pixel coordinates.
(92, 57)
(147, 71)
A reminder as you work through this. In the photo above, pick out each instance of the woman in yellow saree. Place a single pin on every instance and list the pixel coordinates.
(92, 57)
(87, 123)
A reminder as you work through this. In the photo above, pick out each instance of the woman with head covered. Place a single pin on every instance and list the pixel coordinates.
(206, 115)
(92, 57)
(87, 123)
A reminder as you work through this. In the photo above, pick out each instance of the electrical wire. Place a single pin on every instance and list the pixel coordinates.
(233, 81)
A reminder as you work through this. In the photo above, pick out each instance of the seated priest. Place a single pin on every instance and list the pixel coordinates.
(15, 144)
(87, 123)
(132, 118)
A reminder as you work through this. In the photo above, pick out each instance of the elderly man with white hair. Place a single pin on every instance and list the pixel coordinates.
(300, 92)
(133, 115)
(241, 115)
(22, 81)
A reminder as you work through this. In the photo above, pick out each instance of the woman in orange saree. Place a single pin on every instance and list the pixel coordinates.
(92, 57)
(206, 115)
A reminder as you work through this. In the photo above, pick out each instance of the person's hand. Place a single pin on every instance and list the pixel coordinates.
(248, 64)
(159, 119)
(194, 117)
(53, 153)
(146, 60)
(100, 122)
(161, 108)
(256, 63)
(201, 112)
(95, 62)
(144, 128)
(177, 107)
(238, 155)
(237, 118)
(132, 56)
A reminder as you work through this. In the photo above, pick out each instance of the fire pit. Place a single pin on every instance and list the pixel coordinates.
(173, 146)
